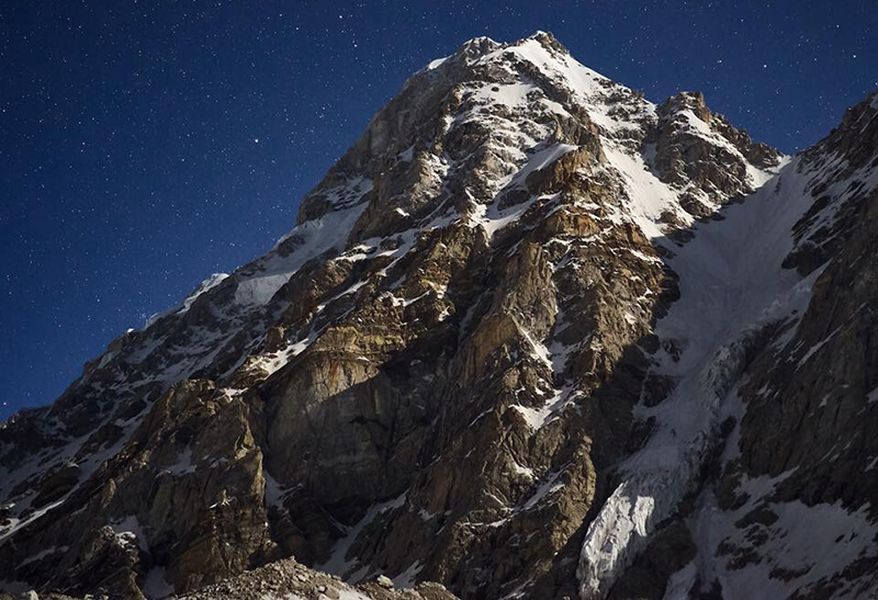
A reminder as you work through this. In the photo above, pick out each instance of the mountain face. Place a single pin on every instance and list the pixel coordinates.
(533, 336)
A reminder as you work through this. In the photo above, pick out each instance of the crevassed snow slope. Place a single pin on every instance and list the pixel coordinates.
(731, 283)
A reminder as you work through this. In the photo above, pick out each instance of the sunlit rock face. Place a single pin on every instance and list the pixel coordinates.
(532, 336)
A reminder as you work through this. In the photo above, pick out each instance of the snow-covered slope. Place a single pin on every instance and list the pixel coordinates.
(735, 283)
(732, 283)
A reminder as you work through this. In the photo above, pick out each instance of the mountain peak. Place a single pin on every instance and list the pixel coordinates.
(693, 101)
(482, 45)
(548, 40)
(477, 46)
(515, 325)
(507, 100)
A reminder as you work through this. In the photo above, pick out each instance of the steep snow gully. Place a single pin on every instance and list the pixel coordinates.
(731, 283)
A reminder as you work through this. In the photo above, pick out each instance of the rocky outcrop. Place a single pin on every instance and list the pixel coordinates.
(182, 500)
(284, 579)
(287, 578)
(703, 155)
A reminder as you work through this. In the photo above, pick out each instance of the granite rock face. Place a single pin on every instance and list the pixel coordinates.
(532, 336)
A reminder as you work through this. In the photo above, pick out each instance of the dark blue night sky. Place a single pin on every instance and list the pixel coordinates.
(146, 145)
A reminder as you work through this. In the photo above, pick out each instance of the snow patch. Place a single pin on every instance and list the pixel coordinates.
(433, 64)
(408, 578)
(806, 544)
(338, 562)
(41, 555)
(205, 286)
(314, 238)
(155, 584)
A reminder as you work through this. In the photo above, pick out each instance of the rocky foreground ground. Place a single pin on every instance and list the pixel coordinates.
(282, 580)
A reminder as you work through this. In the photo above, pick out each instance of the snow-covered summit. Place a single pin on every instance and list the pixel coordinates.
(523, 326)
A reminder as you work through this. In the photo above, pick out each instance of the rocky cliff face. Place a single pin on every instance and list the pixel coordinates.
(533, 336)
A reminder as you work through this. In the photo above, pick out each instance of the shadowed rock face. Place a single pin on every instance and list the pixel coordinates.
(447, 370)
(811, 396)
(702, 153)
